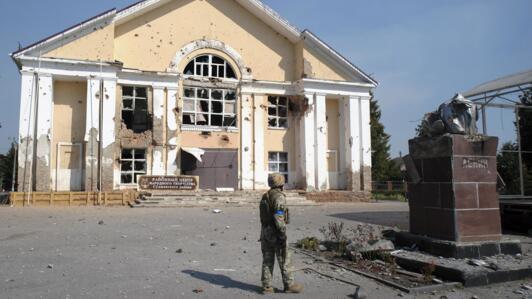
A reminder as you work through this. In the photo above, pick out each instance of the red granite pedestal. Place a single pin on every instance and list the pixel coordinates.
(456, 199)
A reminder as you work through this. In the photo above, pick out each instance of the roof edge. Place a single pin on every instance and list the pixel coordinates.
(337, 56)
(266, 13)
(485, 88)
(71, 29)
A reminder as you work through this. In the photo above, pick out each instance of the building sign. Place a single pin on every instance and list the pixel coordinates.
(168, 183)
(475, 163)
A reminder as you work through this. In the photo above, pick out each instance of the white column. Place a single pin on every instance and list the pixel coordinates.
(259, 121)
(26, 130)
(343, 142)
(44, 133)
(172, 139)
(365, 141)
(246, 142)
(350, 159)
(158, 131)
(92, 134)
(307, 144)
(320, 115)
(110, 171)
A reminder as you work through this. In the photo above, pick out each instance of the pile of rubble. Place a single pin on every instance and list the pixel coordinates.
(355, 242)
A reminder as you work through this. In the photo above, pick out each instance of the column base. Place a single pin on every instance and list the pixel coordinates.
(458, 250)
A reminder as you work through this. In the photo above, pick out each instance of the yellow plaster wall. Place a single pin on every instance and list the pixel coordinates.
(311, 65)
(97, 45)
(333, 124)
(214, 141)
(151, 41)
(69, 114)
(279, 140)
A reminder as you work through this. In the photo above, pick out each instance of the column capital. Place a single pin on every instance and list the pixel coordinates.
(158, 87)
(45, 75)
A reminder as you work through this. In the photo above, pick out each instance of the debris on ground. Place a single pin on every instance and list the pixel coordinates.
(478, 263)
(197, 291)
(101, 222)
(217, 211)
(179, 250)
(213, 244)
(50, 266)
(363, 248)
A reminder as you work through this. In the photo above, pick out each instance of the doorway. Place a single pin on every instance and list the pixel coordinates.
(218, 168)
(69, 167)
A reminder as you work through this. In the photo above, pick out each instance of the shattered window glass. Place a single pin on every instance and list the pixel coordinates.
(209, 107)
(132, 165)
(135, 108)
(210, 66)
(278, 163)
(277, 112)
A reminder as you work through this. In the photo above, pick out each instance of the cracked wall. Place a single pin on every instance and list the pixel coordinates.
(151, 41)
(109, 149)
(97, 43)
(44, 112)
(311, 64)
(25, 164)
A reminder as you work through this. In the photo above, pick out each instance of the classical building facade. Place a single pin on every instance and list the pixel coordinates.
(226, 90)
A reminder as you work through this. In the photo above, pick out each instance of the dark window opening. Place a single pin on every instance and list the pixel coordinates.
(277, 112)
(132, 165)
(135, 108)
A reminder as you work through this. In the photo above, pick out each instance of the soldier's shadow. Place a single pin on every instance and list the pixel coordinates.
(222, 280)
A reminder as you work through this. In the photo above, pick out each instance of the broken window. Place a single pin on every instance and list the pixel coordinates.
(278, 163)
(135, 108)
(210, 66)
(209, 107)
(132, 164)
(277, 112)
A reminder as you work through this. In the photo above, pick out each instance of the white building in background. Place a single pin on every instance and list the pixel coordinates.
(226, 90)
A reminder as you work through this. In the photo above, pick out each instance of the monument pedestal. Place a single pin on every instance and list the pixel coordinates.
(456, 198)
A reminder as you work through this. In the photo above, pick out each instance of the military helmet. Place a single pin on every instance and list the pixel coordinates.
(276, 180)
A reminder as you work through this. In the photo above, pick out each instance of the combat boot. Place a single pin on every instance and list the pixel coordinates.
(295, 288)
(266, 291)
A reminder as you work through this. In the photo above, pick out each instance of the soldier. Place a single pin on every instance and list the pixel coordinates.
(274, 217)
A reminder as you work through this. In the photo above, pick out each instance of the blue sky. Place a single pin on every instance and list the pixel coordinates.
(421, 52)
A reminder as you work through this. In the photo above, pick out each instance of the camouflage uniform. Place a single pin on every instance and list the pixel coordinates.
(273, 238)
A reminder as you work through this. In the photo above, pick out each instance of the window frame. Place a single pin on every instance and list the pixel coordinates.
(196, 102)
(278, 162)
(199, 67)
(277, 117)
(134, 99)
(134, 173)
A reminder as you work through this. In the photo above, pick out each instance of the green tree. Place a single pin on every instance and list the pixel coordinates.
(525, 125)
(508, 168)
(383, 169)
(6, 168)
(508, 159)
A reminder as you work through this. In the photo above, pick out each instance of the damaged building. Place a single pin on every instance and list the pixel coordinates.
(226, 90)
